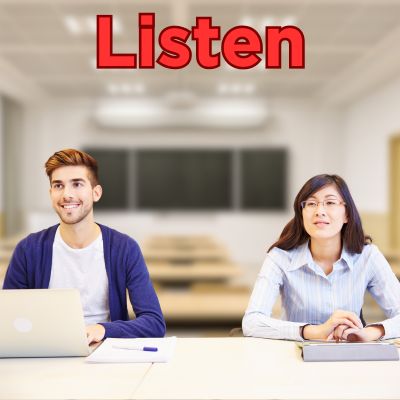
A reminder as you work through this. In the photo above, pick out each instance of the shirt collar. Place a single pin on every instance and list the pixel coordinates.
(302, 256)
(347, 257)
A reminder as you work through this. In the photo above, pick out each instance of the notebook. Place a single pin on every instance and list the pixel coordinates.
(42, 323)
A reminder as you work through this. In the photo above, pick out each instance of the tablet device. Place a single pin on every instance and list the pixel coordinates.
(368, 351)
(42, 323)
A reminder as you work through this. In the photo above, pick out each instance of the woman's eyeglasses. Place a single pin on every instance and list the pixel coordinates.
(327, 204)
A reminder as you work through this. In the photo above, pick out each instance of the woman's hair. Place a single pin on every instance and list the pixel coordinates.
(72, 157)
(352, 233)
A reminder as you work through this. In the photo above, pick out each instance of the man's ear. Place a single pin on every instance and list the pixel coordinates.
(97, 192)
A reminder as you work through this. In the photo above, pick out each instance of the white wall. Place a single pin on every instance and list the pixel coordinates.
(311, 133)
(15, 162)
(1, 157)
(370, 123)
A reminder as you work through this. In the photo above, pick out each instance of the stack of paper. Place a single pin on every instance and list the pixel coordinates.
(129, 350)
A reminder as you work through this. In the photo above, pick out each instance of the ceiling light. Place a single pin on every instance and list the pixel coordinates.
(112, 88)
(93, 63)
(126, 88)
(247, 21)
(159, 113)
(139, 88)
(91, 24)
(289, 20)
(88, 25)
(222, 88)
(73, 25)
(249, 88)
(236, 88)
(117, 26)
(267, 21)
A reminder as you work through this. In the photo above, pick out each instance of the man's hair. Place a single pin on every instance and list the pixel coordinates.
(72, 157)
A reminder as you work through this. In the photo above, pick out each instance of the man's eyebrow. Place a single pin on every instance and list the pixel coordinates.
(71, 180)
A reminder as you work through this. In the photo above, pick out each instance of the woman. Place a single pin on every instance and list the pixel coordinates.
(321, 265)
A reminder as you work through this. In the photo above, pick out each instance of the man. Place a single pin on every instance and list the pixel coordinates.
(78, 253)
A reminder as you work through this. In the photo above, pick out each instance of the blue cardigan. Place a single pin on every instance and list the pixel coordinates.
(30, 268)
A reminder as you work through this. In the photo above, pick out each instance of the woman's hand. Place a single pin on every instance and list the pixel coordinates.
(367, 334)
(326, 330)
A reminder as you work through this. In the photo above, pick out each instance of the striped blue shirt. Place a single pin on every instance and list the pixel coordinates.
(309, 296)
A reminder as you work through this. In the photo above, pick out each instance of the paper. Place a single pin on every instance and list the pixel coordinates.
(107, 353)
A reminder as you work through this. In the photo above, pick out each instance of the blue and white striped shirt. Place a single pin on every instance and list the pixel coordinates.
(309, 296)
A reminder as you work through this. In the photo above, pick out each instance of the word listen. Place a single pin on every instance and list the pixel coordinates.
(240, 46)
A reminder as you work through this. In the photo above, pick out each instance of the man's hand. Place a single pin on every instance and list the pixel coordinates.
(95, 333)
(326, 330)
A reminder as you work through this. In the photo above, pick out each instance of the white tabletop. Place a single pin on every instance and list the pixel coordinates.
(249, 368)
(215, 368)
(68, 378)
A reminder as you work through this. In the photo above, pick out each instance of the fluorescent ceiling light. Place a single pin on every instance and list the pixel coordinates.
(235, 88)
(87, 25)
(156, 113)
(268, 20)
(249, 88)
(112, 89)
(222, 88)
(93, 63)
(289, 20)
(139, 88)
(91, 24)
(72, 24)
(247, 21)
(125, 88)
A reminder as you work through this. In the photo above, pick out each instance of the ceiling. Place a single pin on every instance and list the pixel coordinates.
(351, 47)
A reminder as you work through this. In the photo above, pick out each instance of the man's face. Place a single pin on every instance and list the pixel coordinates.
(72, 194)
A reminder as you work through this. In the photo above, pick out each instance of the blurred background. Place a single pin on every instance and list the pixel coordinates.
(201, 166)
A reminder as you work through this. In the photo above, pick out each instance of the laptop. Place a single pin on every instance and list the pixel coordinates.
(42, 323)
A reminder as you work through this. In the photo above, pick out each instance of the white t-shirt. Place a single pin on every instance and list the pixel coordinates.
(83, 269)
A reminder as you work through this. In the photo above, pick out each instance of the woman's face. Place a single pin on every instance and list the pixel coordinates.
(324, 213)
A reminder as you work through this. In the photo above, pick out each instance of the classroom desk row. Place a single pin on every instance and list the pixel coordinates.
(212, 368)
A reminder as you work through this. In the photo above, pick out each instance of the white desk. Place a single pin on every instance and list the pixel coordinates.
(248, 368)
(193, 272)
(68, 378)
(217, 368)
(203, 306)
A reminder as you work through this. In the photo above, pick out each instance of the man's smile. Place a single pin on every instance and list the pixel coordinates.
(70, 206)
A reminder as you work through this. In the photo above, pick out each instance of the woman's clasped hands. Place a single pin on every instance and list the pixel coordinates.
(343, 326)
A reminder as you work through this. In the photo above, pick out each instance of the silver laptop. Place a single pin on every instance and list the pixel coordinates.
(42, 323)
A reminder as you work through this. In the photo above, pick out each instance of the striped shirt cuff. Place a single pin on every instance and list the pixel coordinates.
(292, 331)
(392, 329)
